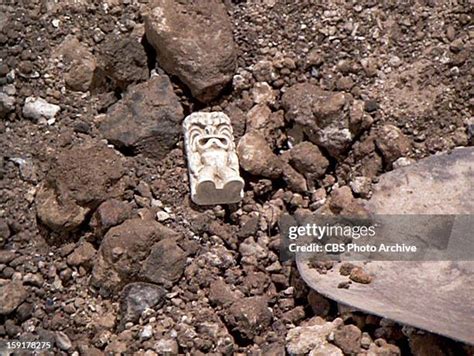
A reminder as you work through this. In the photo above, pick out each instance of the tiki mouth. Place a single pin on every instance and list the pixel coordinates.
(213, 140)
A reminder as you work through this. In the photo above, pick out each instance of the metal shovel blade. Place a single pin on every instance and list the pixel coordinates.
(437, 296)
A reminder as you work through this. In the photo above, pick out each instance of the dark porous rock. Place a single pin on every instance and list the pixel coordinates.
(295, 181)
(79, 180)
(147, 120)
(319, 304)
(257, 158)
(371, 105)
(215, 227)
(165, 264)
(24, 311)
(237, 119)
(249, 316)
(123, 59)
(110, 213)
(326, 117)
(82, 127)
(33, 279)
(7, 256)
(220, 293)
(347, 338)
(294, 315)
(427, 344)
(308, 160)
(249, 227)
(12, 329)
(66, 249)
(275, 349)
(82, 256)
(123, 250)
(255, 283)
(194, 41)
(12, 294)
(136, 297)
(341, 201)
(392, 143)
(358, 119)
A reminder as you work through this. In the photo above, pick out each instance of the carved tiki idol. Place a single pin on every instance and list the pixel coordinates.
(212, 161)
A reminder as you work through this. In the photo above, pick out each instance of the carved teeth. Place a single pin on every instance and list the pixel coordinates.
(212, 161)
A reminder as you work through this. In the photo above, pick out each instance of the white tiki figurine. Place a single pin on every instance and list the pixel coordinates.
(213, 164)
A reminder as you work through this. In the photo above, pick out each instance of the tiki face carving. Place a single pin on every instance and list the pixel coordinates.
(212, 161)
(206, 135)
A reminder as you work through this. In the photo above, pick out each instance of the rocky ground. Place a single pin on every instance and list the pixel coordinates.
(102, 250)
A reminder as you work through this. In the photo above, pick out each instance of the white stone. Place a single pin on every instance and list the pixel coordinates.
(402, 162)
(326, 349)
(168, 346)
(9, 89)
(212, 161)
(303, 339)
(37, 108)
(156, 203)
(146, 333)
(262, 92)
(360, 185)
(238, 82)
(162, 216)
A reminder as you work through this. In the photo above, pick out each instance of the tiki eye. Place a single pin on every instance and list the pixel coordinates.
(225, 130)
(203, 141)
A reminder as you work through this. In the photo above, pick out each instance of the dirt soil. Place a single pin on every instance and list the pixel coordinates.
(101, 249)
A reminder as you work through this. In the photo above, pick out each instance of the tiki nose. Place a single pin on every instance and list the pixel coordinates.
(210, 130)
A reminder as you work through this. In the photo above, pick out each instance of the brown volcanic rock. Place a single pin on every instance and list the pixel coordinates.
(308, 160)
(123, 59)
(256, 156)
(12, 294)
(123, 251)
(193, 40)
(249, 316)
(165, 264)
(147, 120)
(326, 117)
(79, 180)
(110, 213)
(82, 255)
(347, 337)
(80, 63)
(392, 143)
